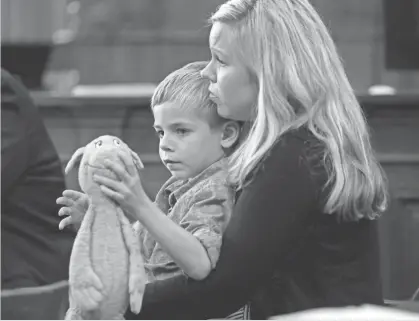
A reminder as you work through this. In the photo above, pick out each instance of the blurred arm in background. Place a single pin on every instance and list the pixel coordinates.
(34, 252)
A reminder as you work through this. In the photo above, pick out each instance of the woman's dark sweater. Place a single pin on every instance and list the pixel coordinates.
(280, 250)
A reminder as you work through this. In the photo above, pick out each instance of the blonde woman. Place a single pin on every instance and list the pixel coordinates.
(303, 230)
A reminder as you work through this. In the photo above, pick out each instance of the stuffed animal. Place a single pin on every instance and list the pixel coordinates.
(106, 266)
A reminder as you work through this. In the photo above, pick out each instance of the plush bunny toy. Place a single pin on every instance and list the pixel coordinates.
(106, 267)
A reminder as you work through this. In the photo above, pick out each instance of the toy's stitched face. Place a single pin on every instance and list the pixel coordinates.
(95, 153)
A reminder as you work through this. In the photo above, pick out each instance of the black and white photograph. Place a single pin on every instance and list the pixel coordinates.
(210, 159)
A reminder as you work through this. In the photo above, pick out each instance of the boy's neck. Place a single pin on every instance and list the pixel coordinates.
(190, 178)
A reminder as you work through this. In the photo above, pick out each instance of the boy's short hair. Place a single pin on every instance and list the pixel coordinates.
(187, 88)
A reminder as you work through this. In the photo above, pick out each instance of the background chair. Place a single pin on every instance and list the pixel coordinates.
(49, 302)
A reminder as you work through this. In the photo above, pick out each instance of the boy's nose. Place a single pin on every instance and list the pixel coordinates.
(165, 145)
(165, 148)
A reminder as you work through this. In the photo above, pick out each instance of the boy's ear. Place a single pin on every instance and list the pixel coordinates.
(231, 133)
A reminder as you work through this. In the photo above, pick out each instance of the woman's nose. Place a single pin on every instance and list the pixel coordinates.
(208, 73)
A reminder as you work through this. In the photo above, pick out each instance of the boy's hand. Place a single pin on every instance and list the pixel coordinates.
(75, 205)
(126, 189)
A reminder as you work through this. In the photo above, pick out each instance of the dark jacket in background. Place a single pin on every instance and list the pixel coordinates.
(33, 250)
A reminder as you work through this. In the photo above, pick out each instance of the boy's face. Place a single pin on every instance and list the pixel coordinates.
(188, 144)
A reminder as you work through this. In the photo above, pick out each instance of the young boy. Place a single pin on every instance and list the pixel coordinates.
(194, 143)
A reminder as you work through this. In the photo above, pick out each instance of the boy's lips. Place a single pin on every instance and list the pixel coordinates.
(169, 161)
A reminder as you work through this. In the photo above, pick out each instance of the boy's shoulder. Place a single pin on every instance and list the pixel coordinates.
(214, 186)
(215, 176)
(216, 179)
(212, 182)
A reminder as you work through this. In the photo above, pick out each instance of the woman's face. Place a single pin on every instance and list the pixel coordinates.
(232, 87)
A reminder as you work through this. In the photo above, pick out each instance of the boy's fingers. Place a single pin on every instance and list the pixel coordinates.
(112, 194)
(65, 222)
(75, 195)
(127, 161)
(118, 169)
(65, 201)
(108, 182)
(64, 211)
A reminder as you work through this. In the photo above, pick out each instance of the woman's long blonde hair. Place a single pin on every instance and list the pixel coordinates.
(285, 44)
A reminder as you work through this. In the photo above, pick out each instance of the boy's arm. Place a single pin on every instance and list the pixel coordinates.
(185, 249)
(208, 215)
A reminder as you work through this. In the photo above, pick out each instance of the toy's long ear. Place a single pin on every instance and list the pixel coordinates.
(78, 154)
(137, 161)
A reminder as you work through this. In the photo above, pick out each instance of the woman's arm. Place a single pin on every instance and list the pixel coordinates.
(269, 216)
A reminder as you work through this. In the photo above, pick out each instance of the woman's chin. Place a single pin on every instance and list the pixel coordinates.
(223, 111)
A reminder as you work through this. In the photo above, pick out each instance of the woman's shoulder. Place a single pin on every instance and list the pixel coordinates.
(298, 150)
(300, 145)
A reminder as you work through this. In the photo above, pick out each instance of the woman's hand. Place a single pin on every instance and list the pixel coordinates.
(75, 205)
(128, 191)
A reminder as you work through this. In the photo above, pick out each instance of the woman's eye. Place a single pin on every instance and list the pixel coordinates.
(98, 144)
(116, 142)
(219, 60)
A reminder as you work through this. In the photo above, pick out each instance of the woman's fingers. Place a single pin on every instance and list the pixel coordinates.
(65, 222)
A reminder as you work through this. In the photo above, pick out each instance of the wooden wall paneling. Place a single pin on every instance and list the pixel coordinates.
(406, 81)
(32, 21)
(189, 14)
(357, 59)
(394, 135)
(93, 63)
(403, 179)
(5, 20)
(351, 21)
(399, 239)
(177, 55)
(63, 128)
(138, 131)
(99, 64)
(142, 41)
(99, 20)
(395, 130)
(357, 22)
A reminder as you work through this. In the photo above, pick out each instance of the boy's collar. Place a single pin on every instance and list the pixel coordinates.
(209, 171)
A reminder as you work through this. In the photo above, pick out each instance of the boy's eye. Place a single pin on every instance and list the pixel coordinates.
(182, 131)
(159, 133)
